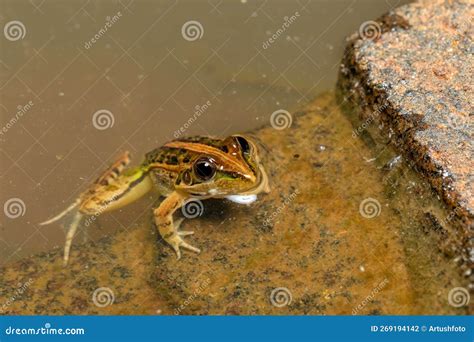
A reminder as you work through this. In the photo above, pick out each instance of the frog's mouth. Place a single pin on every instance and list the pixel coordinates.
(261, 186)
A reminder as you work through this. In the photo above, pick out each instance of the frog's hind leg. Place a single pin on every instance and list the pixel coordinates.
(62, 213)
(169, 230)
(111, 190)
(109, 175)
(115, 170)
(71, 230)
(70, 236)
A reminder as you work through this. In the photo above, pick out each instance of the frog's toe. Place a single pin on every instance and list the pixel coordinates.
(177, 223)
(177, 242)
(178, 252)
(189, 247)
(183, 233)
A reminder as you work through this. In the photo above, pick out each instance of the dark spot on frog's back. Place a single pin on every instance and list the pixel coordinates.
(153, 156)
(172, 160)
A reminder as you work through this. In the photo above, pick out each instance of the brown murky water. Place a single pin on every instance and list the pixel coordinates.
(150, 79)
(135, 86)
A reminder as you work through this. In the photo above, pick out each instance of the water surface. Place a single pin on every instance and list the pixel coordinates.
(129, 62)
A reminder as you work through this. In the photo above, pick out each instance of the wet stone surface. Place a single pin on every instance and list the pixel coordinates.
(408, 81)
(341, 232)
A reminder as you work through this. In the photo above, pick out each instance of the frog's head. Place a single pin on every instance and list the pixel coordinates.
(219, 168)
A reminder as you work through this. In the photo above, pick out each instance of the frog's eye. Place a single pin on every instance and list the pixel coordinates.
(244, 144)
(204, 169)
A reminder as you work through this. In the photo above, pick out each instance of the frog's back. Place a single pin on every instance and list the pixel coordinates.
(180, 156)
(165, 163)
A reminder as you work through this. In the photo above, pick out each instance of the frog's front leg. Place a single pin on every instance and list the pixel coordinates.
(169, 230)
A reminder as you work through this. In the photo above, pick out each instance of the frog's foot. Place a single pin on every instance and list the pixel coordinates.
(169, 230)
(177, 242)
(174, 238)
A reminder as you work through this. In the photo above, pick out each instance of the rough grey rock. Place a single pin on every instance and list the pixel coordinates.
(407, 79)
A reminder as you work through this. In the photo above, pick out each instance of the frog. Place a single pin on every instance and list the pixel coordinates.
(181, 170)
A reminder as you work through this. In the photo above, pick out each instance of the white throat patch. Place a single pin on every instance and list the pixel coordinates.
(242, 199)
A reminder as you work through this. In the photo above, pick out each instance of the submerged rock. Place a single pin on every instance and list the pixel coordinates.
(407, 79)
(332, 237)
